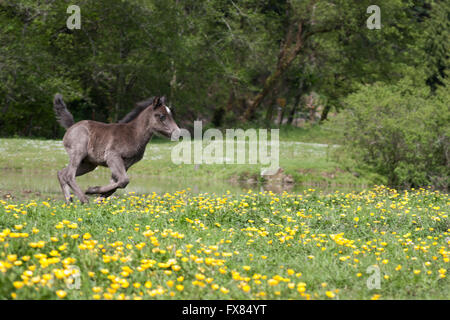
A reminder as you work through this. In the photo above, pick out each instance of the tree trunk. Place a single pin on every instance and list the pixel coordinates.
(269, 113)
(294, 108)
(280, 116)
(271, 106)
(285, 58)
(324, 114)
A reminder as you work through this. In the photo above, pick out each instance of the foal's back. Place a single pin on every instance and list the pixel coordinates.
(98, 140)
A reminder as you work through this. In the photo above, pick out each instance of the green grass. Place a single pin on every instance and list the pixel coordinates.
(306, 245)
(307, 155)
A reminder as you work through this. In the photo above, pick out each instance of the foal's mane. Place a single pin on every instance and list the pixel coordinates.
(140, 106)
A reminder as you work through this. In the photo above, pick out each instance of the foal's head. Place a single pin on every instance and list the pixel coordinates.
(161, 119)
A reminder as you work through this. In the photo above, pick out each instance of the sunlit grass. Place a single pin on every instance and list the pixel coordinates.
(32, 165)
(254, 245)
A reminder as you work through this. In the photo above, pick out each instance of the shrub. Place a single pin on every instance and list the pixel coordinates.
(401, 131)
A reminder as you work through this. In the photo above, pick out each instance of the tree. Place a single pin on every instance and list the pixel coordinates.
(356, 54)
(401, 131)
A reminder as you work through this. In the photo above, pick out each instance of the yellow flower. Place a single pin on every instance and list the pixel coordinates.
(330, 294)
(87, 236)
(108, 296)
(179, 287)
(200, 276)
(61, 293)
(272, 282)
(224, 290)
(375, 297)
(148, 284)
(176, 267)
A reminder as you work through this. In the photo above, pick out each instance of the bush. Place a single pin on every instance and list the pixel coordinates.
(401, 131)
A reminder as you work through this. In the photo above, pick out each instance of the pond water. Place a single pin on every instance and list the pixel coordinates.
(32, 184)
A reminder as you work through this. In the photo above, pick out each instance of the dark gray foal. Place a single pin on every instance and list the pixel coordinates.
(114, 145)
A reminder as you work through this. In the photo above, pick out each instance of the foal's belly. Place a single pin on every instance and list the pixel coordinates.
(100, 158)
(128, 162)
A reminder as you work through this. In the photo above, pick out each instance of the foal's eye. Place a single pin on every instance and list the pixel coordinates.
(162, 117)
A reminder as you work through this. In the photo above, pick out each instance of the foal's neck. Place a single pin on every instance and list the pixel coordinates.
(142, 127)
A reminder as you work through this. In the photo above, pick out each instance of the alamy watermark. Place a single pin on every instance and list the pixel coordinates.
(74, 20)
(374, 21)
(374, 281)
(240, 146)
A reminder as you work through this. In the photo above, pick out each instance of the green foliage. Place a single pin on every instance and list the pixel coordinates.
(214, 58)
(435, 43)
(401, 131)
(209, 57)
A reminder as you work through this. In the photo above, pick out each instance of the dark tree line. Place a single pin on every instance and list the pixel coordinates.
(225, 62)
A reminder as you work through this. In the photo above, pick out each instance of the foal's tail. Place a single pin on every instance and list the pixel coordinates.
(63, 116)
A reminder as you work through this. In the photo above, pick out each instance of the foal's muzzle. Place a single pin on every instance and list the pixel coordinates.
(175, 135)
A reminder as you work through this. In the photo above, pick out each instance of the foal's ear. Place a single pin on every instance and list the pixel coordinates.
(157, 102)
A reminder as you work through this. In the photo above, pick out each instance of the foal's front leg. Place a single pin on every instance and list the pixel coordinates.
(119, 177)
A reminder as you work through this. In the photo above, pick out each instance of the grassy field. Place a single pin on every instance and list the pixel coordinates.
(256, 245)
(310, 157)
(203, 235)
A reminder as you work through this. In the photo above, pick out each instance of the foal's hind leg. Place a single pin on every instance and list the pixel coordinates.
(83, 168)
(64, 186)
(109, 193)
(119, 177)
(71, 171)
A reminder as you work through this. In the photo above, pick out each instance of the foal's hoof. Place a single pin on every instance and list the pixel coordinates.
(92, 190)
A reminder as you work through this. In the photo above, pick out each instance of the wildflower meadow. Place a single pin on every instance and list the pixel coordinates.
(224, 154)
(375, 244)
